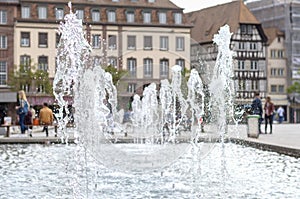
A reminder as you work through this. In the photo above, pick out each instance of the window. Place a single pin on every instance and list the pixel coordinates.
(131, 42)
(25, 12)
(147, 17)
(280, 54)
(96, 41)
(131, 66)
(178, 18)
(281, 88)
(43, 40)
(112, 42)
(3, 17)
(147, 42)
(164, 43)
(115, 0)
(3, 41)
(242, 85)
(180, 43)
(254, 85)
(162, 17)
(151, 1)
(254, 65)
(97, 61)
(249, 29)
(25, 39)
(148, 67)
(164, 67)
(42, 12)
(43, 63)
(59, 13)
(80, 14)
(280, 72)
(95, 15)
(273, 88)
(130, 16)
(25, 62)
(57, 39)
(273, 53)
(241, 65)
(273, 71)
(113, 61)
(131, 88)
(111, 16)
(180, 62)
(241, 46)
(3, 73)
(253, 46)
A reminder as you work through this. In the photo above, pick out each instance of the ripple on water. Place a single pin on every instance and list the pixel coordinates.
(37, 171)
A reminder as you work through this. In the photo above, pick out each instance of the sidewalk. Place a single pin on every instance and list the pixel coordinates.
(285, 138)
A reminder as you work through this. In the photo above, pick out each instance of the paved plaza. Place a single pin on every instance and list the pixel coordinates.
(284, 139)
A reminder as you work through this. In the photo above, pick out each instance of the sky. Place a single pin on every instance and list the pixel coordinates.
(192, 5)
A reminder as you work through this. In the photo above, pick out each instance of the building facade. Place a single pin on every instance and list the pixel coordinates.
(248, 42)
(284, 15)
(144, 37)
(277, 70)
(8, 11)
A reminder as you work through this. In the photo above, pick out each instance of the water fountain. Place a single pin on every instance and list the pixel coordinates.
(155, 159)
(161, 130)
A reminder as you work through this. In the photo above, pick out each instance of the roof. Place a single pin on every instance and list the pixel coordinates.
(208, 21)
(167, 4)
(272, 33)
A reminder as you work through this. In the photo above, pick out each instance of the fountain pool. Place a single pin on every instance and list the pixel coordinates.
(40, 171)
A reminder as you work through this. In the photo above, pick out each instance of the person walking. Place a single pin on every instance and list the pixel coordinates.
(46, 117)
(22, 110)
(256, 108)
(280, 112)
(269, 110)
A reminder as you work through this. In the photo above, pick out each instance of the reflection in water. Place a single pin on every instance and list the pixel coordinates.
(36, 171)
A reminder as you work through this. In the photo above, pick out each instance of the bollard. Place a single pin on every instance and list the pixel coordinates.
(253, 126)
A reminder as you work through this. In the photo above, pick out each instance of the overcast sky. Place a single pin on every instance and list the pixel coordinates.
(192, 5)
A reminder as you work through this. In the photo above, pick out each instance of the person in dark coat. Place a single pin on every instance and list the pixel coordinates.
(256, 108)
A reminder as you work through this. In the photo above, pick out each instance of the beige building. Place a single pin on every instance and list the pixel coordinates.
(144, 37)
(277, 69)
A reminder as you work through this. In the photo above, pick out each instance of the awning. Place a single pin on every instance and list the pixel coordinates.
(8, 97)
(39, 100)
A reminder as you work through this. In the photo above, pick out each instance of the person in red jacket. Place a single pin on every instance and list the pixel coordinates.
(269, 110)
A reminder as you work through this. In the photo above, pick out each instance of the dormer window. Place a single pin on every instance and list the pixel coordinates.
(59, 13)
(42, 12)
(178, 18)
(130, 16)
(25, 12)
(147, 17)
(162, 16)
(80, 14)
(95, 15)
(111, 16)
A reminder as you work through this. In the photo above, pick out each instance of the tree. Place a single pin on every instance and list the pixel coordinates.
(25, 78)
(115, 73)
(295, 88)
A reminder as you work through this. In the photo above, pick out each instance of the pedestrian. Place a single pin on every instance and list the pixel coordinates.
(280, 112)
(22, 110)
(256, 108)
(46, 117)
(269, 111)
(28, 122)
(29, 119)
